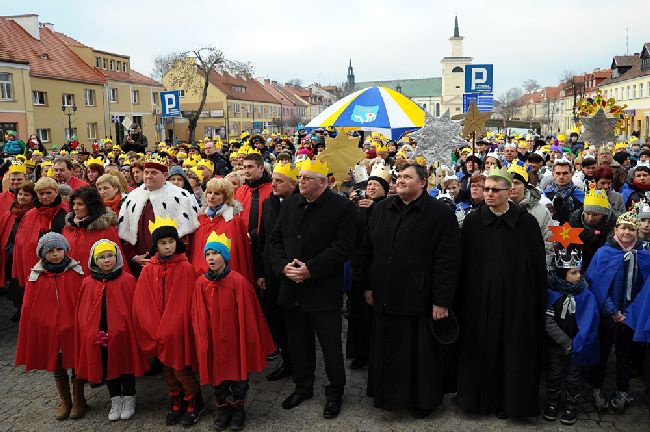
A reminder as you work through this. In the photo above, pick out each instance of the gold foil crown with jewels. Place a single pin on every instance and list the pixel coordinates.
(162, 222)
(286, 170)
(316, 166)
(595, 197)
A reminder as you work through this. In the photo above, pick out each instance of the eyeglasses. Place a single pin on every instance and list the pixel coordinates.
(305, 178)
(494, 190)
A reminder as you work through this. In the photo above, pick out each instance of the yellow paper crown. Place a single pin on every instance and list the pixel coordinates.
(104, 246)
(161, 222)
(522, 144)
(30, 163)
(17, 167)
(254, 151)
(286, 170)
(50, 172)
(521, 169)
(315, 166)
(243, 150)
(596, 197)
(63, 152)
(47, 164)
(155, 159)
(206, 163)
(381, 148)
(382, 171)
(221, 238)
(189, 163)
(620, 146)
(21, 158)
(37, 153)
(500, 172)
(95, 161)
(198, 173)
(181, 155)
(561, 137)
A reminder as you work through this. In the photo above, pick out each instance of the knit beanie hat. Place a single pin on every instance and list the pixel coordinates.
(218, 243)
(161, 233)
(50, 241)
(596, 201)
(176, 170)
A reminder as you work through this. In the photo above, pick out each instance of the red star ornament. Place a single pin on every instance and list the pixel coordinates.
(565, 235)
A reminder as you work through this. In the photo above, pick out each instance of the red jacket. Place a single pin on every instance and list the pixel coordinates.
(161, 311)
(232, 337)
(244, 194)
(124, 356)
(241, 255)
(6, 198)
(75, 183)
(47, 320)
(7, 221)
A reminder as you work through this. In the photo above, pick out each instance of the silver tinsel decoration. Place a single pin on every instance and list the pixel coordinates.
(599, 129)
(438, 138)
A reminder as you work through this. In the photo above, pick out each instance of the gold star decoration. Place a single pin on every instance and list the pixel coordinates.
(475, 121)
(341, 154)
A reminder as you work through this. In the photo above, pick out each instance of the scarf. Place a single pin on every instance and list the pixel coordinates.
(266, 178)
(114, 203)
(83, 223)
(640, 186)
(626, 248)
(213, 276)
(20, 210)
(100, 276)
(632, 265)
(565, 193)
(561, 285)
(57, 268)
(212, 213)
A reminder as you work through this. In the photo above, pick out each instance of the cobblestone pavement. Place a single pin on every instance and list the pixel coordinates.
(28, 401)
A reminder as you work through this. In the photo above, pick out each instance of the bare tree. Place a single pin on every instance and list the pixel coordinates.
(508, 104)
(576, 88)
(531, 85)
(296, 82)
(191, 72)
(163, 63)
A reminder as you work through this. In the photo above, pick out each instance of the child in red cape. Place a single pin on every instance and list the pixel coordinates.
(105, 342)
(46, 331)
(232, 337)
(161, 316)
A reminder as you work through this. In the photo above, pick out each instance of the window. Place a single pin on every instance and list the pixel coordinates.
(89, 96)
(112, 65)
(119, 66)
(92, 130)
(457, 69)
(154, 98)
(112, 94)
(238, 88)
(249, 109)
(43, 135)
(640, 91)
(135, 97)
(260, 109)
(236, 108)
(39, 98)
(98, 61)
(182, 92)
(67, 99)
(124, 67)
(104, 63)
(634, 91)
(68, 134)
(627, 92)
(6, 87)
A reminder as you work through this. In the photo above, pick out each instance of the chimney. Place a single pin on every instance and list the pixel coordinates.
(29, 23)
(48, 25)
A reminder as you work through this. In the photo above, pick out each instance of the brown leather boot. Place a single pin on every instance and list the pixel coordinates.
(79, 401)
(63, 411)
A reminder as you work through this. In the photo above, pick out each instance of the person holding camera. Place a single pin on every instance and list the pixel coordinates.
(360, 318)
(135, 140)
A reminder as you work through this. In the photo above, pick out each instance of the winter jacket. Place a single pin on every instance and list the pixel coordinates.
(592, 237)
(531, 204)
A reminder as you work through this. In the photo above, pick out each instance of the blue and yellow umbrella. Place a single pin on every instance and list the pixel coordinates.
(376, 109)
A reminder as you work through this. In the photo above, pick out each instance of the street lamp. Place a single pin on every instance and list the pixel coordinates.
(66, 111)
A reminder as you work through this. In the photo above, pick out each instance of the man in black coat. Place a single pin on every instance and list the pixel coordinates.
(221, 164)
(411, 259)
(135, 141)
(284, 185)
(501, 303)
(312, 240)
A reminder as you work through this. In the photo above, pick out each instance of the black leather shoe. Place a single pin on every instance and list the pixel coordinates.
(501, 414)
(332, 409)
(358, 363)
(274, 355)
(295, 399)
(281, 372)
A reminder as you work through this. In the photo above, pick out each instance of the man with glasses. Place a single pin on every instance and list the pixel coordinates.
(500, 306)
(312, 240)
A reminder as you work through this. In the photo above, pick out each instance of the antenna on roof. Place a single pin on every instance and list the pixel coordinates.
(627, 41)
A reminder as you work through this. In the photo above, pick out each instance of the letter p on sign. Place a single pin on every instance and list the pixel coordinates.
(170, 101)
(479, 78)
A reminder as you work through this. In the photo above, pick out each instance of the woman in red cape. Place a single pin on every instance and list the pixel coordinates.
(88, 222)
(222, 215)
(49, 215)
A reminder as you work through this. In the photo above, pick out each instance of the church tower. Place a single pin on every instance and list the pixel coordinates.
(350, 83)
(453, 74)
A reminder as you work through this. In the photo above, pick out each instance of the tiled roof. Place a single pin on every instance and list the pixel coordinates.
(48, 57)
(282, 98)
(633, 72)
(254, 90)
(419, 87)
(133, 77)
(623, 61)
(68, 40)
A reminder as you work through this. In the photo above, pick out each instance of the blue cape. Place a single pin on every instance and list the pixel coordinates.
(638, 315)
(577, 193)
(626, 191)
(585, 347)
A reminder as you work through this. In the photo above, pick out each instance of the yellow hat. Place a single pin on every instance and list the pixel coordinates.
(421, 160)
(181, 155)
(465, 150)
(37, 153)
(561, 137)
(381, 148)
(522, 144)
(95, 161)
(315, 166)
(63, 152)
(244, 136)
(546, 148)
(620, 146)
(286, 170)
(161, 222)
(50, 172)
(17, 167)
(21, 158)
(189, 163)
(198, 173)
(30, 163)
(104, 246)
(595, 198)
(206, 163)
(519, 168)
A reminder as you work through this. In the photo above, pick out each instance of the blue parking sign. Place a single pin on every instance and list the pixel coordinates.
(170, 102)
(479, 78)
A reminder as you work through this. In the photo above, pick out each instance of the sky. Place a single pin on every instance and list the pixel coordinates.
(313, 40)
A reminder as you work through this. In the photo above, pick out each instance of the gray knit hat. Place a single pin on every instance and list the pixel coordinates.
(51, 241)
(644, 210)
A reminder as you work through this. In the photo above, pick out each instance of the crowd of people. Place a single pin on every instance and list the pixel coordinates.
(204, 261)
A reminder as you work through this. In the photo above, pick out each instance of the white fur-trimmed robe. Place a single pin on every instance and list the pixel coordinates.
(168, 201)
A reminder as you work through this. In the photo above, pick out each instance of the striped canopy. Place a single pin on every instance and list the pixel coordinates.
(376, 109)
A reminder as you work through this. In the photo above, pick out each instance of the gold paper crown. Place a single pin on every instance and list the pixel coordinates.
(21, 158)
(381, 148)
(155, 159)
(254, 151)
(161, 222)
(47, 164)
(181, 155)
(243, 150)
(596, 197)
(521, 169)
(95, 161)
(189, 163)
(198, 173)
(620, 146)
(104, 246)
(286, 170)
(206, 163)
(561, 137)
(17, 167)
(221, 238)
(382, 171)
(37, 153)
(315, 166)
(500, 172)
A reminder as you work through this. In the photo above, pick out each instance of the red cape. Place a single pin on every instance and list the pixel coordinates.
(244, 193)
(232, 337)
(161, 311)
(7, 221)
(36, 222)
(47, 321)
(241, 255)
(75, 183)
(124, 355)
(6, 198)
(82, 240)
